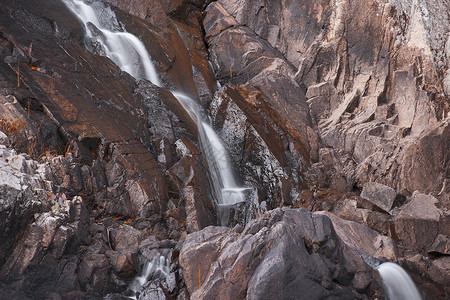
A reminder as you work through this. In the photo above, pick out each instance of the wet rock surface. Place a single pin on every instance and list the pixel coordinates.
(331, 106)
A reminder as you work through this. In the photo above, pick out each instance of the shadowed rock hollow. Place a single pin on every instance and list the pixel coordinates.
(334, 114)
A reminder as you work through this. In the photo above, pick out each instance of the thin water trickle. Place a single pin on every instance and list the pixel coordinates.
(226, 188)
(398, 284)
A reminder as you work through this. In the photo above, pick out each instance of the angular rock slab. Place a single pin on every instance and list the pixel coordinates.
(362, 238)
(417, 224)
(281, 255)
(264, 78)
(379, 194)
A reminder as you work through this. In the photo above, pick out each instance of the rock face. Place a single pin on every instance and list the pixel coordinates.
(365, 96)
(98, 134)
(327, 105)
(23, 185)
(283, 254)
(48, 244)
(372, 75)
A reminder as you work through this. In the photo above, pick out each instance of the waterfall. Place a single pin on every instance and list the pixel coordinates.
(158, 267)
(107, 38)
(397, 282)
(130, 54)
(222, 180)
(123, 48)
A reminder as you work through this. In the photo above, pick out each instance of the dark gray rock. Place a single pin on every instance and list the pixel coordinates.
(49, 244)
(23, 188)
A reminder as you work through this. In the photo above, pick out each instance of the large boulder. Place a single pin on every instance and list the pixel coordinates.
(425, 163)
(418, 222)
(379, 194)
(363, 239)
(283, 254)
(373, 219)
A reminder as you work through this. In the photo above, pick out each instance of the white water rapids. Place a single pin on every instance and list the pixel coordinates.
(158, 267)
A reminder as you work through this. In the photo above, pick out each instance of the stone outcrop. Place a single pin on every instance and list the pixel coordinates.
(283, 254)
(352, 210)
(47, 244)
(363, 239)
(379, 195)
(22, 189)
(372, 75)
(418, 223)
(97, 134)
(375, 98)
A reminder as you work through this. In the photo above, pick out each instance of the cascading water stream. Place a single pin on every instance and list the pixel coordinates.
(223, 181)
(123, 48)
(158, 267)
(398, 284)
(129, 53)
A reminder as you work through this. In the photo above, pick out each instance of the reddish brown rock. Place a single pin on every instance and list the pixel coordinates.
(426, 163)
(371, 75)
(364, 239)
(441, 245)
(256, 267)
(375, 220)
